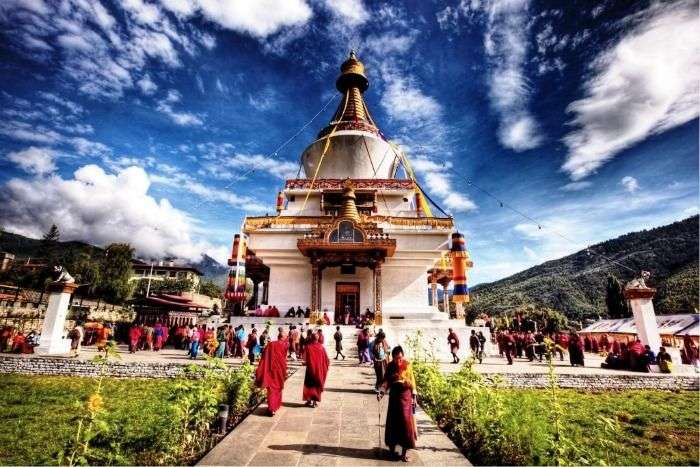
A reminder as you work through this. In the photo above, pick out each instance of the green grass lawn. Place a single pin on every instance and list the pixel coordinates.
(37, 413)
(654, 427)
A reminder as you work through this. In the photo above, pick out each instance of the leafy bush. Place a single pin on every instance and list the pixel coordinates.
(501, 426)
(120, 422)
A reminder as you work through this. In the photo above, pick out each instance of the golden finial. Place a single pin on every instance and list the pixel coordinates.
(349, 209)
(352, 74)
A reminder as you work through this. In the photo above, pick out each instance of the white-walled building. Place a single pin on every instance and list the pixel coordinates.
(351, 235)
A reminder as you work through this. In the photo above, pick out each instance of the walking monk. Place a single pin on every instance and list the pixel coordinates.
(317, 364)
(400, 421)
(272, 371)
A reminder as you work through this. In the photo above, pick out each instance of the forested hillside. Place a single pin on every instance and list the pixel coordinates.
(576, 284)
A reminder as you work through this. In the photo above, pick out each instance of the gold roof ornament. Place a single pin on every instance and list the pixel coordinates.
(352, 112)
(349, 209)
(352, 74)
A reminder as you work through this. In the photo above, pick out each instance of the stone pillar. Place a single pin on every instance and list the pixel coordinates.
(446, 299)
(433, 287)
(459, 310)
(377, 293)
(256, 290)
(319, 290)
(644, 317)
(314, 286)
(52, 341)
(266, 284)
(645, 320)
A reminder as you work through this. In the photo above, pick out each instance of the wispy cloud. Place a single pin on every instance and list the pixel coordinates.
(351, 12)
(256, 18)
(33, 160)
(179, 180)
(576, 186)
(181, 118)
(630, 183)
(507, 25)
(38, 133)
(146, 85)
(645, 84)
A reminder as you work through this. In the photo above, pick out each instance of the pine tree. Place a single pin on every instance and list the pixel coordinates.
(116, 271)
(615, 299)
(52, 236)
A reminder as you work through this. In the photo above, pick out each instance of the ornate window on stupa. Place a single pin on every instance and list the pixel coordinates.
(332, 203)
(346, 232)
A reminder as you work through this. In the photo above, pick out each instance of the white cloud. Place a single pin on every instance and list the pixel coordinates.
(146, 85)
(103, 56)
(506, 42)
(278, 168)
(351, 12)
(390, 42)
(506, 46)
(457, 202)
(691, 211)
(530, 253)
(420, 116)
(177, 179)
(645, 84)
(576, 186)
(33, 160)
(71, 106)
(263, 100)
(101, 208)
(630, 183)
(405, 102)
(37, 133)
(258, 18)
(165, 106)
(221, 87)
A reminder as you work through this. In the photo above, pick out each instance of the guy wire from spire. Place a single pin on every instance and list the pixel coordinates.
(539, 225)
(274, 153)
(404, 162)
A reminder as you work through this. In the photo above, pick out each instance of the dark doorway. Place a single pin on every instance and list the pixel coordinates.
(347, 301)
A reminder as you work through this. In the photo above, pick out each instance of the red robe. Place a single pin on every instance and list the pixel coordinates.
(317, 364)
(272, 372)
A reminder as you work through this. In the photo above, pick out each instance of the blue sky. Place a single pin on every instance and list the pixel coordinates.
(137, 120)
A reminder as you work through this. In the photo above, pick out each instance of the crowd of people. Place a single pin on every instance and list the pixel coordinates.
(14, 340)
(393, 373)
(619, 355)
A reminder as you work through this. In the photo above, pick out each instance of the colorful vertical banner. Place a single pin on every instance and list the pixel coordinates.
(280, 203)
(460, 263)
(235, 287)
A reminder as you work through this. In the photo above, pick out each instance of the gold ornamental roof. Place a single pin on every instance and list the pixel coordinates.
(352, 112)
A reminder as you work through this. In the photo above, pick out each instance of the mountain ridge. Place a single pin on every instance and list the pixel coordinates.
(575, 284)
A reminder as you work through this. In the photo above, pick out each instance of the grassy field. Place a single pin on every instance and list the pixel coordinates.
(37, 415)
(654, 427)
(552, 426)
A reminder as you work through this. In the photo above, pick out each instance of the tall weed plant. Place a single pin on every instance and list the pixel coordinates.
(188, 423)
(477, 415)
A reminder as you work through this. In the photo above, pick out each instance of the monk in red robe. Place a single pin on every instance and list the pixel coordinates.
(317, 364)
(272, 371)
(401, 427)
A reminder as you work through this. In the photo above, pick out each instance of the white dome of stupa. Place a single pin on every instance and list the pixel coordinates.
(353, 145)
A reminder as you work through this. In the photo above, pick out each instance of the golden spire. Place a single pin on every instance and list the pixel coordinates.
(352, 112)
(349, 209)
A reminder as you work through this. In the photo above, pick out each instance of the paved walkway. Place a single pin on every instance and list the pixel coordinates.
(344, 429)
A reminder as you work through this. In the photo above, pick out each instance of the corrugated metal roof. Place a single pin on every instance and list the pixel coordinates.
(668, 324)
